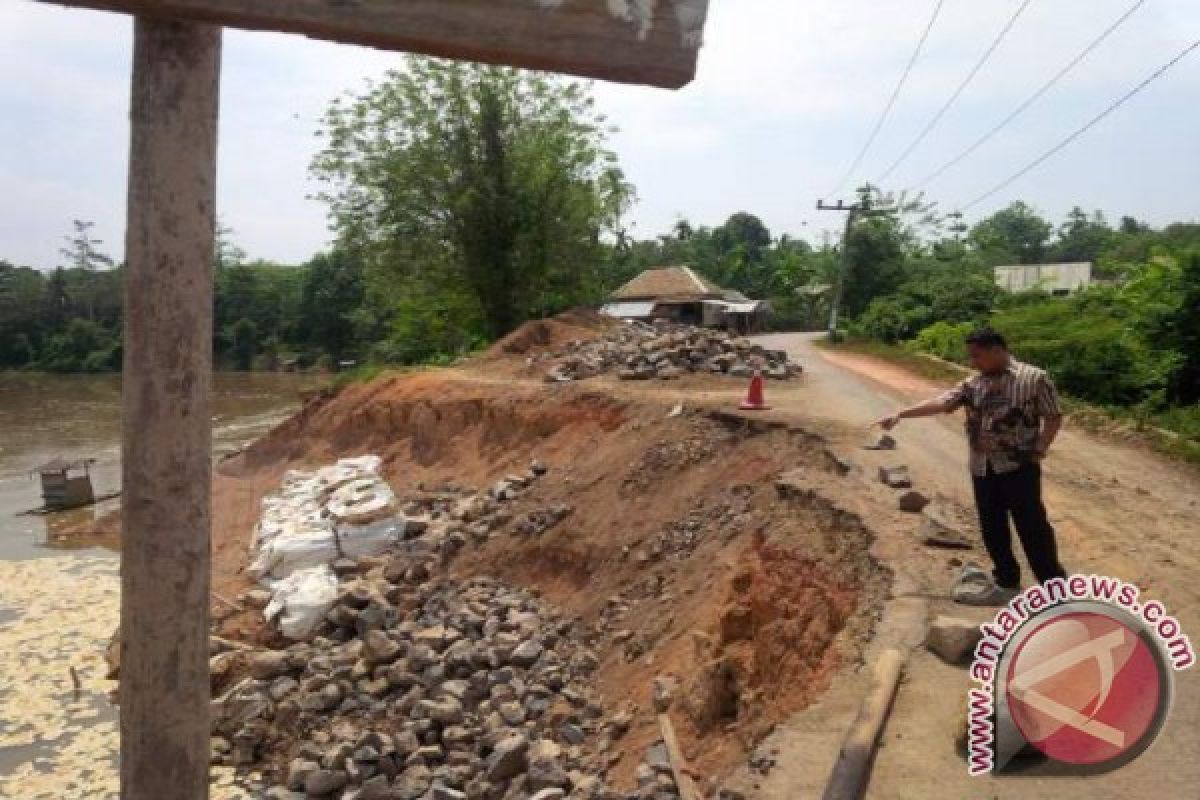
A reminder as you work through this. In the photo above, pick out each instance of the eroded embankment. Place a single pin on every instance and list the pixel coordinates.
(698, 583)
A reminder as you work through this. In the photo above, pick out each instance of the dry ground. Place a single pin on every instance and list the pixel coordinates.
(764, 603)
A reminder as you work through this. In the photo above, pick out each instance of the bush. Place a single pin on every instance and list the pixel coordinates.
(944, 340)
(83, 346)
(1090, 352)
(890, 319)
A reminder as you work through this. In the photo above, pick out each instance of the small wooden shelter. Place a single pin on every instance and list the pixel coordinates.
(66, 484)
(166, 458)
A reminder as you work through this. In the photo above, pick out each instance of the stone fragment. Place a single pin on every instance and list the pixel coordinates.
(953, 639)
(896, 477)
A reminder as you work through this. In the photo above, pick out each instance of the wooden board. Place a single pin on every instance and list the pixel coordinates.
(653, 42)
(683, 781)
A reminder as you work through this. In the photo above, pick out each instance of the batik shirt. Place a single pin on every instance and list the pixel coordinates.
(1004, 415)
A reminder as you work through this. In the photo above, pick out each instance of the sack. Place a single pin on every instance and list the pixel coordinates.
(301, 600)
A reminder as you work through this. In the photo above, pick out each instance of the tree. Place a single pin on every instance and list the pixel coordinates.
(21, 293)
(482, 180)
(875, 262)
(1014, 235)
(1082, 237)
(226, 252)
(740, 247)
(243, 337)
(83, 254)
(332, 293)
(1184, 331)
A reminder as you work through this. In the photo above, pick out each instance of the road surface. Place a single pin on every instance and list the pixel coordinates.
(1119, 510)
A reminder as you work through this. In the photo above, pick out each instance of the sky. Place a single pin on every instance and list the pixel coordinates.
(786, 94)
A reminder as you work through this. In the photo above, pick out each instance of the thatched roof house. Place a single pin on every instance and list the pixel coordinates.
(670, 283)
(683, 295)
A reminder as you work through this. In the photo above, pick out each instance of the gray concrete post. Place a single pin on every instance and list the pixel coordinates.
(166, 464)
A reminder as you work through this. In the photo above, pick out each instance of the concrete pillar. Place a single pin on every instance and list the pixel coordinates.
(166, 467)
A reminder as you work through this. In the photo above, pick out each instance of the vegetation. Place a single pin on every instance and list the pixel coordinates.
(475, 197)
(466, 199)
(1129, 343)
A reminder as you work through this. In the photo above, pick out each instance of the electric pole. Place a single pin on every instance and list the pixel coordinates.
(860, 209)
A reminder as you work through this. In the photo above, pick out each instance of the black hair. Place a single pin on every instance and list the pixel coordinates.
(986, 337)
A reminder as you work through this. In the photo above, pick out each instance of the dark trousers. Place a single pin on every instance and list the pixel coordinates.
(1017, 493)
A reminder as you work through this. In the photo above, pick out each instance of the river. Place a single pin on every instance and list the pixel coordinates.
(79, 416)
(60, 595)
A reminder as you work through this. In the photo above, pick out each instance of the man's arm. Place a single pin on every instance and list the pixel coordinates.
(1050, 428)
(1051, 413)
(942, 404)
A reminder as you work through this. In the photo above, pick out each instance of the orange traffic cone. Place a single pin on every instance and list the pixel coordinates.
(755, 401)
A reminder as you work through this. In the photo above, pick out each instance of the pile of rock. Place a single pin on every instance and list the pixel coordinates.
(314, 529)
(478, 691)
(638, 351)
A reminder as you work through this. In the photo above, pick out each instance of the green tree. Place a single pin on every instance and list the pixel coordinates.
(1082, 237)
(1014, 235)
(243, 336)
(875, 261)
(475, 181)
(82, 346)
(332, 294)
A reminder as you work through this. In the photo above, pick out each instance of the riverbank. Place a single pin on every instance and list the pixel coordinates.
(79, 416)
(60, 591)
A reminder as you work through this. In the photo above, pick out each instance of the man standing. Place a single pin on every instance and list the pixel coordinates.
(1013, 416)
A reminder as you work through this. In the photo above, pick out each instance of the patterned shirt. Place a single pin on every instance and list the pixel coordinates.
(1004, 415)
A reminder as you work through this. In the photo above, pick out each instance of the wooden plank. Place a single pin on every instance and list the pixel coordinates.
(166, 462)
(683, 781)
(853, 768)
(634, 41)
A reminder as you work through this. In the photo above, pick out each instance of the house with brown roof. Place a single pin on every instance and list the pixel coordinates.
(682, 295)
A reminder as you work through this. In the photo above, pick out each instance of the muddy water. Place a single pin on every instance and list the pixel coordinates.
(60, 597)
(79, 416)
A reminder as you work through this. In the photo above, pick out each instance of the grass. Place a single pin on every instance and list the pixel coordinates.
(924, 365)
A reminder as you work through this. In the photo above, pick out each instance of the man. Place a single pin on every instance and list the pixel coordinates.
(1013, 416)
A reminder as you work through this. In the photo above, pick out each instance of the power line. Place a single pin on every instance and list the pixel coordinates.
(1085, 128)
(887, 109)
(1025, 106)
(979, 65)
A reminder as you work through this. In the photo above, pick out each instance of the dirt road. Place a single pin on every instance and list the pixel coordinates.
(1119, 510)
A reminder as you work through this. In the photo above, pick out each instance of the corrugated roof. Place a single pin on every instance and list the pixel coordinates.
(668, 282)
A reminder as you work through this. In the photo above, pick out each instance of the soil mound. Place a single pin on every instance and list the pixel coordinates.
(577, 324)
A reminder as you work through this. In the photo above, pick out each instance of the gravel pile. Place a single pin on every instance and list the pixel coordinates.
(476, 691)
(420, 687)
(637, 351)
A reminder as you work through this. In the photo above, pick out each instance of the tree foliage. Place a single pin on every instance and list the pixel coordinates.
(485, 185)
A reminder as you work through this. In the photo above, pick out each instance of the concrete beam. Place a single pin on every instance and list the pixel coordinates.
(651, 42)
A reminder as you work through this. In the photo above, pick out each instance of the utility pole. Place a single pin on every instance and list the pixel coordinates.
(860, 209)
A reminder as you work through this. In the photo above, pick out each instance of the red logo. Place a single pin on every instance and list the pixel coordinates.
(1085, 688)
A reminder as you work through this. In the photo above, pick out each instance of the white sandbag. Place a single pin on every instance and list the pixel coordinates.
(361, 502)
(301, 600)
(358, 541)
(301, 547)
(297, 549)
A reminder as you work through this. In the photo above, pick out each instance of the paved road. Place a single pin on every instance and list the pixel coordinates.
(1119, 510)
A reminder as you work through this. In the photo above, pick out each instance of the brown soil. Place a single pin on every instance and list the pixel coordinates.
(678, 546)
(578, 324)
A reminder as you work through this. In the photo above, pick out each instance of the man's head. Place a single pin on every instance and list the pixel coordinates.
(987, 350)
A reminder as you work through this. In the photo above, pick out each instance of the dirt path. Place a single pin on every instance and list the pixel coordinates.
(1119, 511)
